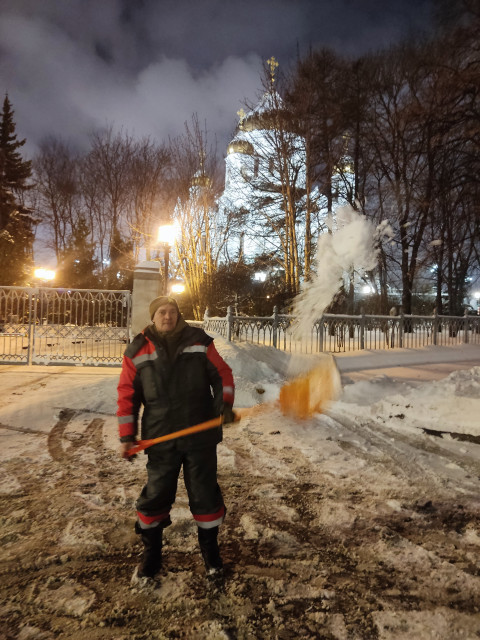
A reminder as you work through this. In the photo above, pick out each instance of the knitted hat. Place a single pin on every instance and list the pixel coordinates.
(161, 300)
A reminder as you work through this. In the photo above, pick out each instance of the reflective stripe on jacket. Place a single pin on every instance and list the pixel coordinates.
(175, 393)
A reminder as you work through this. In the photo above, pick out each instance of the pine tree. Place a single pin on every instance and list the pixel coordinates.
(16, 221)
(15, 170)
(119, 273)
(78, 265)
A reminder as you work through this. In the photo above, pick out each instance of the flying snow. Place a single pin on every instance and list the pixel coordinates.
(352, 245)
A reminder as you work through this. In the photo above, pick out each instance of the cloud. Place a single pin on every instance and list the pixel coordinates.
(148, 65)
(49, 78)
(169, 91)
(60, 86)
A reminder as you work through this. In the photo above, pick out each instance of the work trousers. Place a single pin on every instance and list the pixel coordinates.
(200, 477)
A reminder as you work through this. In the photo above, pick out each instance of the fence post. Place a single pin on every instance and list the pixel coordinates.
(275, 326)
(146, 287)
(465, 326)
(401, 328)
(229, 323)
(320, 337)
(435, 326)
(362, 328)
(32, 297)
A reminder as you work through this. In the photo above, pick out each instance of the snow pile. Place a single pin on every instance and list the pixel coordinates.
(448, 405)
(451, 404)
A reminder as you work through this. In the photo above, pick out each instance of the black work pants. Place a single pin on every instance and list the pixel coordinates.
(200, 477)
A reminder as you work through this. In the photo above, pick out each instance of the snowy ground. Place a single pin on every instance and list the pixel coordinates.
(360, 523)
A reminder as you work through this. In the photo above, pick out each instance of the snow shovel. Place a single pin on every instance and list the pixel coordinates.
(311, 392)
(302, 397)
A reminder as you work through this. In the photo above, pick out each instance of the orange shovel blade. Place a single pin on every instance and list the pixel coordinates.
(311, 392)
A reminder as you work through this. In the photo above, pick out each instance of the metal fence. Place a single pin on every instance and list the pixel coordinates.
(92, 327)
(341, 333)
(63, 326)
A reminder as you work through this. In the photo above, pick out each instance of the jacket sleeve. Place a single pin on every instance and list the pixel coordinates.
(129, 401)
(221, 378)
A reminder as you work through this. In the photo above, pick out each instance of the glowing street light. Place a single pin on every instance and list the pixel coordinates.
(167, 234)
(44, 274)
(177, 287)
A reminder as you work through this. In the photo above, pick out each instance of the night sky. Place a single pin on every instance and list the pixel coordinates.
(71, 66)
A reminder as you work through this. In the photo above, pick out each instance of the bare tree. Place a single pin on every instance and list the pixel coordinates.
(150, 170)
(106, 182)
(117, 187)
(454, 232)
(329, 96)
(402, 140)
(195, 180)
(268, 187)
(58, 197)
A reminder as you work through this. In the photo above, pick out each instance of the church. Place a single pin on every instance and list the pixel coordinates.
(268, 201)
(268, 210)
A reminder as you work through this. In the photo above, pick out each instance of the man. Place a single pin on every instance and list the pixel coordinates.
(176, 373)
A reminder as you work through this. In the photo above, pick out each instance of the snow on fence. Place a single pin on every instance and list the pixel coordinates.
(338, 333)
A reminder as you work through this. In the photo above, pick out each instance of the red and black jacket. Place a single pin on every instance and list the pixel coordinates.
(176, 391)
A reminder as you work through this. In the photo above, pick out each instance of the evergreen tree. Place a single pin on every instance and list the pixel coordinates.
(16, 221)
(78, 265)
(119, 273)
(15, 170)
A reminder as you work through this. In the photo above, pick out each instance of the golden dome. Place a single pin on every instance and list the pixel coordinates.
(240, 146)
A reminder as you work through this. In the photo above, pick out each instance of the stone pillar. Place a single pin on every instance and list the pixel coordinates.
(146, 287)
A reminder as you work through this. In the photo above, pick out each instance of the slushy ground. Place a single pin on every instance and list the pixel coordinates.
(362, 522)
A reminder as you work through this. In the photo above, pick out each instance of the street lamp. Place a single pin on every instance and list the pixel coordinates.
(178, 287)
(166, 238)
(44, 274)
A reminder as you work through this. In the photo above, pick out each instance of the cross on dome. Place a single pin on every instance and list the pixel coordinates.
(273, 64)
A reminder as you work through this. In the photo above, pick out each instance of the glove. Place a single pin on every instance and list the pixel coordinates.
(228, 414)
(124, 447)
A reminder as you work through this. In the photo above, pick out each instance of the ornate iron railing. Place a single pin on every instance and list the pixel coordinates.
(63, 326)
(91, 327)
(341, 333)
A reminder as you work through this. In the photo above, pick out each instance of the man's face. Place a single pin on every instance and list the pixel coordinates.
(165, 317)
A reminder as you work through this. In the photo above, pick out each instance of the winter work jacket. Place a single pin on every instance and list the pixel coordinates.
(177, 390)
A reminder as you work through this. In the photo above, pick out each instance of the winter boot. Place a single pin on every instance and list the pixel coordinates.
(152, 551)
(207, 539)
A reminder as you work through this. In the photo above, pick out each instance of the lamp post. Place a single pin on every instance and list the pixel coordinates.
(166, 238)
(166, 264)
(42, 278)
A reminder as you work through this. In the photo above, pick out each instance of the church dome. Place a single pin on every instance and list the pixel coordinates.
(269, 114)
(240, 146)
(201, 180)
